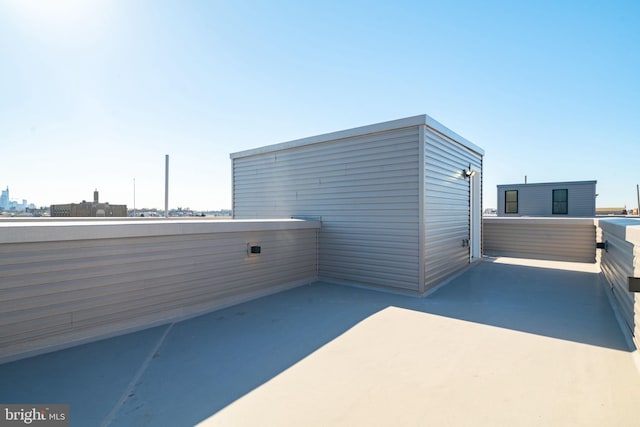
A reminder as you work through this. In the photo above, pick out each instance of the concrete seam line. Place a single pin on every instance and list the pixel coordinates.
(134, 381)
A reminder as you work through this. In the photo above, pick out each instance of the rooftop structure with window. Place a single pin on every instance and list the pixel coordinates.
(568, 199)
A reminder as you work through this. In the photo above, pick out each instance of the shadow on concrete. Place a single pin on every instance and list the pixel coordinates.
(563, 304)
(90, 378)
(208, 362)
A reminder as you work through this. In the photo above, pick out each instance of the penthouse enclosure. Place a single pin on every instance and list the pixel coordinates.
(563, 199)
(399, 201)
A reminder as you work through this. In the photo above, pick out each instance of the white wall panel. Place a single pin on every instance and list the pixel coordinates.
(559, 239)
(446, 216)
(620, 261)
(55, 291)
(363, 188)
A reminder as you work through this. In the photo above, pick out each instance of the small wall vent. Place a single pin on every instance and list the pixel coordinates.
(253, 249)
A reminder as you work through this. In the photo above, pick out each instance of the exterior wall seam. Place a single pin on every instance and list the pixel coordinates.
(421, 208)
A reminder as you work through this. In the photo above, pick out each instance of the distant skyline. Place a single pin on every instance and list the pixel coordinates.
(93, 94)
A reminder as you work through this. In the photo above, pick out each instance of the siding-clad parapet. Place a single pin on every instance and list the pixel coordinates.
(559, 239)
(619, 261)
(46, 231)
(64, 283)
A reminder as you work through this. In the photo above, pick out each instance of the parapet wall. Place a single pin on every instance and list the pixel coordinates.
(619, 260)
(63, 283)
(558, 239)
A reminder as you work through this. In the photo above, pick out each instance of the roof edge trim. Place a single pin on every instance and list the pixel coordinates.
(419, 120)
(533, 184)
(440, 128)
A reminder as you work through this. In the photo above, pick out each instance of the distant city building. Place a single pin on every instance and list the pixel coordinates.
(4, 199)
(569, 199)
(89, 209)
(6, 204)
(33, 211)
(617, 211)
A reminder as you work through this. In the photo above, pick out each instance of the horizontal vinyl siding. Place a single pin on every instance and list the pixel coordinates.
(363, 188)
(446, 210)
(544, 238)
(58, 293)
(620, 261)
(635, 297)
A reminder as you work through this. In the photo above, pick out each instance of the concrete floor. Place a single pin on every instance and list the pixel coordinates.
(509, 342)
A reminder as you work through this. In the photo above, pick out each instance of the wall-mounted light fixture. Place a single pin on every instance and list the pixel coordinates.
(468, 173)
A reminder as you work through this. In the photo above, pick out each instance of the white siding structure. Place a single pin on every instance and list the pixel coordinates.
(538, 199)
(393, 198)
(619, 262)
(64, 283)
(558, 239)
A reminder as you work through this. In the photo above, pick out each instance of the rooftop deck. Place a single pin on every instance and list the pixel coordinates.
(508, 342)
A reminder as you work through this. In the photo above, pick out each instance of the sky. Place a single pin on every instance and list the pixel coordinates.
(95, 93)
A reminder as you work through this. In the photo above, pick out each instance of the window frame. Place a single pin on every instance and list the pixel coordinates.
(508, 205)
(560, 207)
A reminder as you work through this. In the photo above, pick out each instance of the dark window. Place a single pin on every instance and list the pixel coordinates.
(511, 201)
(560, 199)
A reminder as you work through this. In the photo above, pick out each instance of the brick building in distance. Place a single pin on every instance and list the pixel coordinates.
(89, 209)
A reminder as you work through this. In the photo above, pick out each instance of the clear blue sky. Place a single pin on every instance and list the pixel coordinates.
(94, 93)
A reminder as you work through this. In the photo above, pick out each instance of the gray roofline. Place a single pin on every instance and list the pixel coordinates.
(522, 184)
(440, 128)
(420, 120)
(50, 231)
